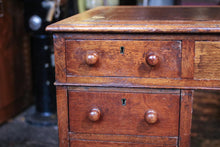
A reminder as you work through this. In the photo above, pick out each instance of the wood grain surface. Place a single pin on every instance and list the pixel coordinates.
(83, 143)
(185, 118)
(187, 66)
(139, 36)
(187, 63)
(126, 19)
(207, 60)
(143, 82)
(123, 89)
(156, 140)
(130, 63)
(60, 59)
(62, 115)
(128, 118)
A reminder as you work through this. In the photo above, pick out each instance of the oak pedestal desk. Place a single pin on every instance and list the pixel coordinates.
(125, 75)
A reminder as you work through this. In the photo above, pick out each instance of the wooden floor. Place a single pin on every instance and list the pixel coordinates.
(205, 128)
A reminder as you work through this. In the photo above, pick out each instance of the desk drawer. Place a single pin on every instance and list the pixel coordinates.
(151, 114)
(123, 58)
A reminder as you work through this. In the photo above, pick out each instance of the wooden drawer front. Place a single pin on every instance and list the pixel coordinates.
(207, 60)
(164, 58)
(127, 118)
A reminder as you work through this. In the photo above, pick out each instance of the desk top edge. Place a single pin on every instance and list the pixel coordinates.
(138, 19)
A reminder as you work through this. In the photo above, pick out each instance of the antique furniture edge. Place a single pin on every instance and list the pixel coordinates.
(90, 21)
(150, 83)
(186, 111)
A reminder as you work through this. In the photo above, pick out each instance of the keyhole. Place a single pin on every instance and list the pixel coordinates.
(122, 50)
(123, 101)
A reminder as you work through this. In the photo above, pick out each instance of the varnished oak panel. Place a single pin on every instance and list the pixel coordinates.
(187, 66)
(83, 143)
(123, 89)
(185, 118)
(131, 63)
(207, 60)
(126, 19)
(143, 82)
(125, 138)
(140, 36)
(62, 115)
(60, 58)
(117, 118)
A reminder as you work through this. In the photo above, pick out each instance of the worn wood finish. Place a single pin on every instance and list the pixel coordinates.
(83, 143)
(62, 115)
(123, 118)
(185, 117)
(140, 36)
(142, 82)
(124, 89)
(186, 61)
(108, 57)
(125, 138)
(142, 20)
(207, 60)
(125, 58)
(60, 57)
(187, 66)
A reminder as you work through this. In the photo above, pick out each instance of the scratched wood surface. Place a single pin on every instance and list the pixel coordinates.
(187, 63)
(125, 58)
(207, 60)
(108, 138)
(62, 115)
(117, 118)
(60, 60)
(74, 143)
(101, 28)
(135, 19)
(185, 118)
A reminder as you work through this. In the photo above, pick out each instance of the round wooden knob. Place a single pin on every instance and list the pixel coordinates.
(94, 114)
(151, 116)
(152, 60)
(92, 58)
